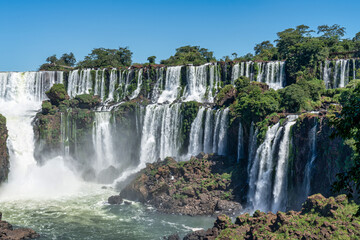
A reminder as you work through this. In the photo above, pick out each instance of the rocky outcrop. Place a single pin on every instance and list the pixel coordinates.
(320, 218)
(201, 186)
(4, 154)
(7, 232)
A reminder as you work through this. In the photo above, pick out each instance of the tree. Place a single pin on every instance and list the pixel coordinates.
(357, 37)
(151, 59)
(190, 54)
(347, 125)
(263, 46)
(331, 32)
(104, 57)
(67, 59)
(52, 59)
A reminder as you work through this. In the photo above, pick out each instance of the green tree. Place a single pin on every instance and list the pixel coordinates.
(347, 125)
(151, 59)
(52, 59)
(103, 57)
(331, 32)
(190, 54)
(67, 59)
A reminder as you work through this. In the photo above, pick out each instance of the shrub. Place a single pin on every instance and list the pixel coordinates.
(57, 94)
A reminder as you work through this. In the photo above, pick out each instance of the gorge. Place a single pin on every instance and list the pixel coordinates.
(109, 124)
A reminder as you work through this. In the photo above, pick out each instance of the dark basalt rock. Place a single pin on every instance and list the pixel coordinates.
(201, 186)
(115, 200)
(320, 218)
(7, 232)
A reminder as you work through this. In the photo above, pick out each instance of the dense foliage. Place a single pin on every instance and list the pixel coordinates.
(347, 125)
(67, 60)
(190, 54)
(103, 57)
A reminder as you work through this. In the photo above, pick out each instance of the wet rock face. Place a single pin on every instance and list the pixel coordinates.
(200, 186)
(115, 200)
(4, 154)
(320, 218)
(7, 232)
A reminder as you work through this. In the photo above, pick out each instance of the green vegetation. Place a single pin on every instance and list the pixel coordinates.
(190, 54)
(104, 57)
(64, 62)
(57, 94)
(347, 125)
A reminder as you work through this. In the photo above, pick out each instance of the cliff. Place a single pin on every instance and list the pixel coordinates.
(4, 154)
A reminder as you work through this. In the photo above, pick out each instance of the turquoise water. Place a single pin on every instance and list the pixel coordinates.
(88, 216)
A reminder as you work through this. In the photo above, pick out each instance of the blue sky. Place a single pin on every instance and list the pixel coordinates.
(32, 30)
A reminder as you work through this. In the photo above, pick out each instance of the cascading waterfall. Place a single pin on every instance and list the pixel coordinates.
(79, 82)
(214, 82)
(209, 131)
(310, 163)
(196, 133)
(20, 97)
(272, 73)
(337, 74)
(279, 191)
(242, 69)
(103, 142)
(270, 162)
(197, 83)
(240, 148)
(135, 94)
(158, 85)
(112, 83)
(172, 85)
(99, 89)
(260, 174)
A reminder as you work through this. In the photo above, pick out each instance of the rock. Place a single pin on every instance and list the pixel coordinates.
(108, 175)
(115, 200)
(172, 237)
(127, 203)
(8, 233)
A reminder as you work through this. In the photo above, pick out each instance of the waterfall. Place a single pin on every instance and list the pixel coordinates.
(196, 134)
(99, 89)
(310, 163)
(260, 174)
(252, 146)
(222, 137)
(240, 148)
(235, 74)
(135, 94)
(20, 99)
(214, 82)
(158, 85)
(196, 83)
(279, 192)
(354, 68)
(208, 131)
(103, 142)
(160, 134)
(79, 82)
(336, 74)
(112, 83)
(172, 85)
(272, 73)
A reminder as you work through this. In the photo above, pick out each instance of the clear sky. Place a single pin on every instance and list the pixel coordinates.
(32, 30)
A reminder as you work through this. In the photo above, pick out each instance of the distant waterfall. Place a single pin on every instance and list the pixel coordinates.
(268, 171)
(242, 69)
(29, 85)
(158, 85)
(209, 131)
(197, 83)
(214, 82)
(196, 133)
(240, 147)
(272, 73)
(172, 85)
(139, 82)
(220, 131)
(337, 73)
(79, 82)
(310, 163)
(99, 89)
(160, 134)
(102, 140)
(112, 83)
